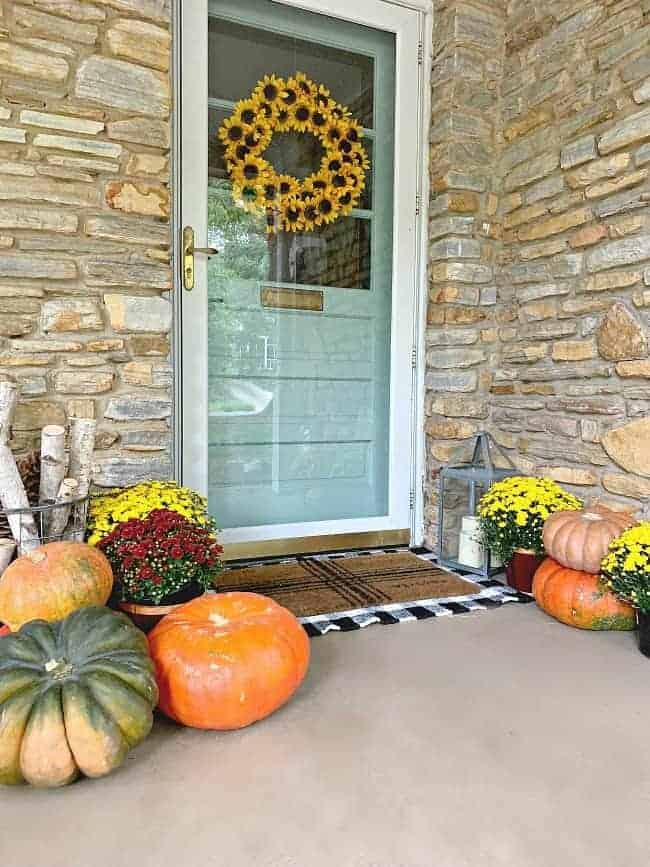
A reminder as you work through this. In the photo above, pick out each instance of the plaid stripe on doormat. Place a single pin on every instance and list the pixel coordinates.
(340, 592)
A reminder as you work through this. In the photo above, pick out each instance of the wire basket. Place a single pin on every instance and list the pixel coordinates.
(45, 517)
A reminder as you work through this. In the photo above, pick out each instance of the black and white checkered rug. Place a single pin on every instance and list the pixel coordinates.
(493, 594)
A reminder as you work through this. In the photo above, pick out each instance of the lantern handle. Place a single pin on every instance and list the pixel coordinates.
(483, 446)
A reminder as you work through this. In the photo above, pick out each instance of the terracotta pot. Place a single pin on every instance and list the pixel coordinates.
(146, 615)
(521, 569)
(643, 620)
(4, 630)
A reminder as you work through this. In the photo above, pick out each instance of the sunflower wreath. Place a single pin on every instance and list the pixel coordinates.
(296, 104)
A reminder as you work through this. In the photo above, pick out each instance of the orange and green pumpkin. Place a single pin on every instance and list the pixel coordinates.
(225, 661)
(75, 697)
(52, 581)
(579, 598)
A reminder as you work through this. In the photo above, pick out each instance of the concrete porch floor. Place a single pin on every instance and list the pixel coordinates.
(501, 738)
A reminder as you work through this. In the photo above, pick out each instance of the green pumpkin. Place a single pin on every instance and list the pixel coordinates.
(75, 696)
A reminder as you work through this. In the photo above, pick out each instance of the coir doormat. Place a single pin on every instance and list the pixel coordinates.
(342, 592)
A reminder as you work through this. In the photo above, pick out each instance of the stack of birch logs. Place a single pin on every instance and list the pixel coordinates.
(65, 476)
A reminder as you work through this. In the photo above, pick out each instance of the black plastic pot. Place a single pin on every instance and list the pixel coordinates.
(643, 619)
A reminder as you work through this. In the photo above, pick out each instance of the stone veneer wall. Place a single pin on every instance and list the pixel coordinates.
(85, 102)
(462, 337)
(539, 291)
(557, 365)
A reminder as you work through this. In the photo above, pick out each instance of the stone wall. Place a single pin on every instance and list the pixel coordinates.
(85, 102)
(462, 337)
(568, 393)
(539, 294)
(575, 171)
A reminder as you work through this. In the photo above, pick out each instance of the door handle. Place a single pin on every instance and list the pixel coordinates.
(189, 251)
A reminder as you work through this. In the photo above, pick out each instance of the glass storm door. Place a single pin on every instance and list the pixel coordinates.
(297, 345)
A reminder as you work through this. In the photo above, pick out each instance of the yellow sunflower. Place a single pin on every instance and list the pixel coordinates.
(283, 119)
(250, 197)
(288, 186)
(269, 88)
(323, 97)
(232, 131)
(310, 215)
(346, 202)
(326, 208)
(300, 114)
(293, 218)
(290, 94)
(273, 220)
(304, 85)
(251, 170)
(315, 184)
(247, 110)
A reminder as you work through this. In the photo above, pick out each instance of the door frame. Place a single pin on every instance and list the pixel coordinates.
(339, 9)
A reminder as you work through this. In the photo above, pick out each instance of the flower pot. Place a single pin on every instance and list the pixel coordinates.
(146, 615)
(521, 569)
(643, 620)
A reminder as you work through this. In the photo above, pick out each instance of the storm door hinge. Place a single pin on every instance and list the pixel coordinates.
(420, 53)
(418, 204)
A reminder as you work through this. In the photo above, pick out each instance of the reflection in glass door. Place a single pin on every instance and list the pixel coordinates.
(299, 324)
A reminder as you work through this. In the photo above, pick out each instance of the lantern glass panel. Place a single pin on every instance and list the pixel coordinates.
(460, 497)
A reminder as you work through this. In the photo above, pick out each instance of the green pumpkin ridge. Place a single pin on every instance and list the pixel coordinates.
(620, 622)
(131, 712)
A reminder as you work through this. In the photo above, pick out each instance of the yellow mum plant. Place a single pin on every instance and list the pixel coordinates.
(115, 507)
(512, 513)
(626, 566)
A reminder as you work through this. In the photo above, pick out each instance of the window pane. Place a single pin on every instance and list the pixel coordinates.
(299, 379)
(240, 56)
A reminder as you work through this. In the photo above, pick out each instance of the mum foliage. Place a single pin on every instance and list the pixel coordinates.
(626, 566)
(159, 555)
(512, 513)
(125, 504)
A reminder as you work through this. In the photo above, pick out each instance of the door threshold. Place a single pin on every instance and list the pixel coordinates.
(315, 544)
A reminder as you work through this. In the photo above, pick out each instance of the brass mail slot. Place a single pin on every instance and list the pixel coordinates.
(292, 299)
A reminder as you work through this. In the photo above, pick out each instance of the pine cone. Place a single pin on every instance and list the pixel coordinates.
(29, 467)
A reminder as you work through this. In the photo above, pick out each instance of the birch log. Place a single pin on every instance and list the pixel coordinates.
(7, 548)
(68, 490)
(53, 468)
(12, 490)
(82, 447)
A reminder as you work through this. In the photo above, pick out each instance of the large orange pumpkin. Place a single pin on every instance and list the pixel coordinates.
(579, 598)
(52, 581)
(226, 660)
(580, 539)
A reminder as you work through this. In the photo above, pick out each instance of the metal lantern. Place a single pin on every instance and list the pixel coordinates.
(461, 487)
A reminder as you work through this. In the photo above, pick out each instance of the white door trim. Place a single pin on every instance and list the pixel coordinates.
(188, 427)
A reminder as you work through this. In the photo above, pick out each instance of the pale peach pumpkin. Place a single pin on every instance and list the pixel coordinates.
(580, 539)
(52, 581)
(225, 661)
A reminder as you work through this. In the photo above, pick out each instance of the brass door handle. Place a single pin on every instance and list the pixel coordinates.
(189, 251)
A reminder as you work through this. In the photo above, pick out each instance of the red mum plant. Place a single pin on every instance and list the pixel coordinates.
(157, 556)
